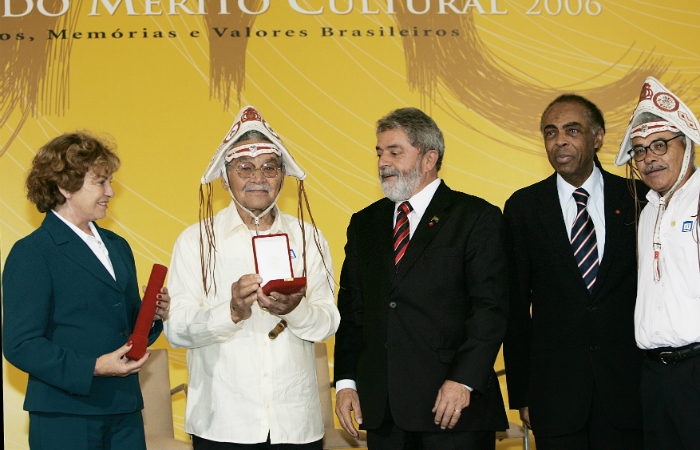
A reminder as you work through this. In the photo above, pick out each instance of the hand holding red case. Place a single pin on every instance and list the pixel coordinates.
(285, 283)
(284, 286)
(148, 311)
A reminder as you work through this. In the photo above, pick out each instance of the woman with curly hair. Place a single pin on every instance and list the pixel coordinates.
(71, 301)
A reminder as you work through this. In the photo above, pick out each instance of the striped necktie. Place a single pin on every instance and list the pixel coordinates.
(583, 240)
(402, 232)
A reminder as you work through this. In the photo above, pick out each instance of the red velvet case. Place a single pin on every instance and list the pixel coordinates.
(139, 337)
(286, 285)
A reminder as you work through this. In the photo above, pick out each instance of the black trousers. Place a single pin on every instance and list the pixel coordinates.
(203, 444)
(390, 437)
(671, 405)
(596, 434)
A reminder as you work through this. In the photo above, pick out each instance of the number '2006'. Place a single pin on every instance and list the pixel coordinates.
(592, 7)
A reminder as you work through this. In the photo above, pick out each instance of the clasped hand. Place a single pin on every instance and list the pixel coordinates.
(247, 290)
(116, 364)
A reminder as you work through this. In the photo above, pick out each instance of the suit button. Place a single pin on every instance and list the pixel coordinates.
(592, 308)
(126, 332)
(392, 304)
(594, 347)
(386, 345)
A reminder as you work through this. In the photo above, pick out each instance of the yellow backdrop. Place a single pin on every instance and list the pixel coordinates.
(166, 78)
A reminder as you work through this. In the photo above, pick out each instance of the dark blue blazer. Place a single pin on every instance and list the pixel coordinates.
(62, 311)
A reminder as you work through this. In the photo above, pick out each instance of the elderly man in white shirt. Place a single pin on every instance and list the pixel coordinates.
(661, 140)
(248, 389)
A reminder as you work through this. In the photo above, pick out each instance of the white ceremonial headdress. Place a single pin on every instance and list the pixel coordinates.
(250, 119)
(656, 99)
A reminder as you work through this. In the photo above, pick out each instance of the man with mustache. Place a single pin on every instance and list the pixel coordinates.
(246, 388)
(661, 140)
(572, 366)
(423, 303)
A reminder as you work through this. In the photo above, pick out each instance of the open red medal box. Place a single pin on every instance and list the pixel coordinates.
(273, 262)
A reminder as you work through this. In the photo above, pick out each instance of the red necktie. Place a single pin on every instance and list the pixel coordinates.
(402, 231)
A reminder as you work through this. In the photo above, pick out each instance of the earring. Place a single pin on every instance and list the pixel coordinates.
(67, 195)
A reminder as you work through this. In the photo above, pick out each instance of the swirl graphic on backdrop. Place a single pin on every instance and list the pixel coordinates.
(227, 56)
(36, 78)
(466, 68)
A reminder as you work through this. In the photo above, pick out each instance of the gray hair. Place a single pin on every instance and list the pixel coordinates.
(249, 136)
(645, 117)
(421, 130)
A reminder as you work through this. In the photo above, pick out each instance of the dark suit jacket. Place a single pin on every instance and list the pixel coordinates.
(62, 310)
(573, 340)
(441, 317)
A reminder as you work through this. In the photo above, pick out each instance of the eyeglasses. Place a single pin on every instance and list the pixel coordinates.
(247, 170)
(658, 147)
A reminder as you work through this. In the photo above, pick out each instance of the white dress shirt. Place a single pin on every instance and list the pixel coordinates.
(595, 206)
(241, 383)
(419, 203)
(667, 313)
(94, 242)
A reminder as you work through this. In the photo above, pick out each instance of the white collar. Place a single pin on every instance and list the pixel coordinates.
(694, 179)
(593, 185)
(234, 221)
(83, 235)
(420, 201)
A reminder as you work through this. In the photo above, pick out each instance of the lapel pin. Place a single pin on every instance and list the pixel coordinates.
(433, 221)
(617, 211)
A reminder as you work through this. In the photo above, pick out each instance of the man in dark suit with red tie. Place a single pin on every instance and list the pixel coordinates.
(572, 364)
(423, 303)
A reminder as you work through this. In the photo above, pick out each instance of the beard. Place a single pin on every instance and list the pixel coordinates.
(405, 184)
